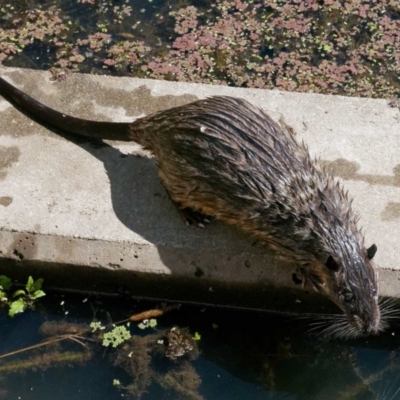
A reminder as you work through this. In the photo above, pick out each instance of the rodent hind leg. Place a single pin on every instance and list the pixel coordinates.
(175, 192)
(191, 217)
(188, 215)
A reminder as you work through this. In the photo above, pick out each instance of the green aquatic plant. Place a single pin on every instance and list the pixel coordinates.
(96, 326)
(137, 358)
(5, 284)
(46, 359)
(148, 323)
(21, 299)
(342, 47)
(116, 336)
(135, 354)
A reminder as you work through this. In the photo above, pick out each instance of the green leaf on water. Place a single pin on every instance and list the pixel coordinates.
(16, 306)
(115, 337)
(19, 292)
(37, 294)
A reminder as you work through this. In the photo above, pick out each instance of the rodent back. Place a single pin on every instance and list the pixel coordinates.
(227, 158)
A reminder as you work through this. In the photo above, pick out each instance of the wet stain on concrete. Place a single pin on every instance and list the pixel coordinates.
(82, 97)
(391, 212)
(63, 248)
(140, 101)
(24, 246)
(348, 170)
(5, 201)
(8, 157)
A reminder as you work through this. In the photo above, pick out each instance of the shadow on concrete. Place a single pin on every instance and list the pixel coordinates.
(142, 205)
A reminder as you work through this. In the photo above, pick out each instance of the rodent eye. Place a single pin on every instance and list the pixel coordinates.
(347, 297)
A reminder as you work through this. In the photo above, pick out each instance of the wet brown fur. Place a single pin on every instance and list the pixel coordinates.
(228, 159)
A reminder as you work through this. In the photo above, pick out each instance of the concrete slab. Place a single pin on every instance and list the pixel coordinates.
(72, 203)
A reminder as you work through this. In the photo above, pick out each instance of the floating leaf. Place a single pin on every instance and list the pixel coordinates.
(37, 294)
(96, 326)
(115, 337)
(16, 306)
(148, 323)
(153, 323)
(19, 292)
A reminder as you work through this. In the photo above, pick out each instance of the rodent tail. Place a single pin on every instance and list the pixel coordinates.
(43, 113)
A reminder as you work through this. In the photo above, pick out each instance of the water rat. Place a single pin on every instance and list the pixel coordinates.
(226, 158)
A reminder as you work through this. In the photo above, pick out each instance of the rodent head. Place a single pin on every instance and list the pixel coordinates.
(352, 284)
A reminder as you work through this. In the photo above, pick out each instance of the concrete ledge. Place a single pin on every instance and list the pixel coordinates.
(68, 202)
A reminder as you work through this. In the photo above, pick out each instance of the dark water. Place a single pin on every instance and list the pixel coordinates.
(243, 355)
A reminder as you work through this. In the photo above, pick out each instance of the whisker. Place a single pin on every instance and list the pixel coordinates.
(390, 302)
(313, 323)
(336, 326)
(390, 311)
(338, 329)
(330, 326)
(321, 322)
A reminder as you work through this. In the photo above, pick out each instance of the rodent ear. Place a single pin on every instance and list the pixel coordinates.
(371, 251)
(332, 264)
